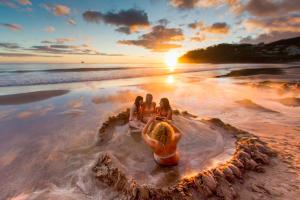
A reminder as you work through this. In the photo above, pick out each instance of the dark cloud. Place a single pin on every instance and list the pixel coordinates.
(128, 21)
(64, 49)
(159, 39)
(190, 4)
(272, 28)
(93, 16)
(9, 45)
(60, 46)
(216, 28)
(13, 27)
(271, 7)
(124, 29)
(269, 37)
(58, 41)
(163, 22)
(276, 24)
(24, 55)
(196, 25)
(45, 50)
(69, 50)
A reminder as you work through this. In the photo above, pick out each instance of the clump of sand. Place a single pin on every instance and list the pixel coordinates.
(290, 101)
(249, 104)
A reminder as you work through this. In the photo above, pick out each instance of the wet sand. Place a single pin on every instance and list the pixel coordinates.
(251, 72)
(29, 97)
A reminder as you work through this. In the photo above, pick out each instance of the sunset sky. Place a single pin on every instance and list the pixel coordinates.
(136, 31)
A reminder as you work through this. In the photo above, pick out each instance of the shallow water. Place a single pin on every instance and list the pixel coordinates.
(47, 147)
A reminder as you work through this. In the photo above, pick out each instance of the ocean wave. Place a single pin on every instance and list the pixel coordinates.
(58, 76)
(83, 69)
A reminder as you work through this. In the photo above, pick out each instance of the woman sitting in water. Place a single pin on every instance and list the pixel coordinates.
(148, 108)
(165, 110)
(135, 114)
(163, 140)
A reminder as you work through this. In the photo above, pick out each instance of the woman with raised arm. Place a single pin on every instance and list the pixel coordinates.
(148, 108)
(163, 141)
(135, 114)
(164, 110)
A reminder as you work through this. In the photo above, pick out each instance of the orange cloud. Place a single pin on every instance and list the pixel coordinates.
(189, 4)
(272, 29)
(58, 9)
(160, 39)
(218, 28)
(271, 7)
(24, 2)
(199, 38)
(281, 24)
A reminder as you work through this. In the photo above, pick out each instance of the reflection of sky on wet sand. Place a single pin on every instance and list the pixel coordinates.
(42, 146)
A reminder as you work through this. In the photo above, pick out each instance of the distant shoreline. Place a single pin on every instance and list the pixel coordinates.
(282, 51)
(245, 62)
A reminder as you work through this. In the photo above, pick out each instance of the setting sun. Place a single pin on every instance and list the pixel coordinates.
(170, 79)
(171, 60)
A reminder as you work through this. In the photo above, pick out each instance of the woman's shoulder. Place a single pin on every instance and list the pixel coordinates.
(133, 107)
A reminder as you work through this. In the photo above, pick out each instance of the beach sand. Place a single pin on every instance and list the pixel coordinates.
(29, 97)
(49, 140)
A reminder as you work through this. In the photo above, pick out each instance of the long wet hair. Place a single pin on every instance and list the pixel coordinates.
(149, 99)
(166, 104)
(163, 133)
(137, 101)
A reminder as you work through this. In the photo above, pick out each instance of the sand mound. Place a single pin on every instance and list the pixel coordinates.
(131, 170)
(247, 103)
(280, 86)
(290, 101)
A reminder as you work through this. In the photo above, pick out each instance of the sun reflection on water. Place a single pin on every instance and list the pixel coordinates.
(170, 79)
